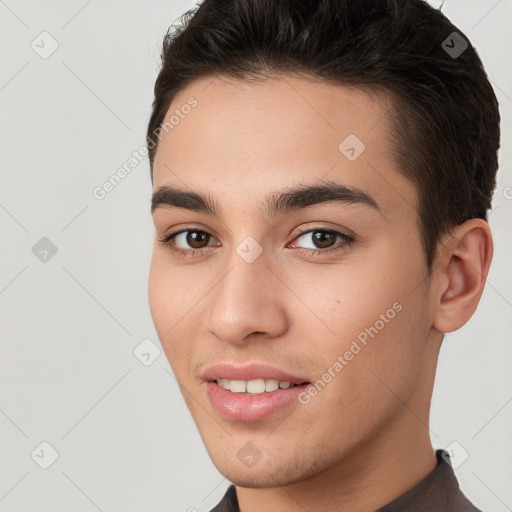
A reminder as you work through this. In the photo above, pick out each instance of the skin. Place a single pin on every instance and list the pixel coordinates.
(364, 439)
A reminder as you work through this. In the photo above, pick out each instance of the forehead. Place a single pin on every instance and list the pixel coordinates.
(242, 140)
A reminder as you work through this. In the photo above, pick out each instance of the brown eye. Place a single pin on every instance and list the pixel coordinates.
(187, 242)
(323, 239)
(196, 239)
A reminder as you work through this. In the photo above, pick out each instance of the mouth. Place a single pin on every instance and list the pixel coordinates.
(256, 386)
(253, 392)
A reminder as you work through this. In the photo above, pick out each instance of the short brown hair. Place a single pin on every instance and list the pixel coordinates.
(446, 122)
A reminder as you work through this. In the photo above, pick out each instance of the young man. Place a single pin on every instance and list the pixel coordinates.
(321, 172)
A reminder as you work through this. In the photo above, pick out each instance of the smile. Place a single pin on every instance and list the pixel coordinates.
(256, 386)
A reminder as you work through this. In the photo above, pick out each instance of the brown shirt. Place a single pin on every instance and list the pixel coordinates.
(438, 492)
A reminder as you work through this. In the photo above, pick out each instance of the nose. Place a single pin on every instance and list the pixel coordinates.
(249, 300)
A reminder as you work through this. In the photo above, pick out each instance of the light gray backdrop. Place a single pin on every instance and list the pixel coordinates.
(91, 419)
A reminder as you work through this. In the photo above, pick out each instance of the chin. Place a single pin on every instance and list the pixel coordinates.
(262, 476)
(257, 480)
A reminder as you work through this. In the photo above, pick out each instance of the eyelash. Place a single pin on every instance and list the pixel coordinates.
(168, 241)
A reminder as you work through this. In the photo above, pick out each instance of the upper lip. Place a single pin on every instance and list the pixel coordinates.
(251, 371)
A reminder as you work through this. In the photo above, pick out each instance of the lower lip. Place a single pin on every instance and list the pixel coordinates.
(251, 407)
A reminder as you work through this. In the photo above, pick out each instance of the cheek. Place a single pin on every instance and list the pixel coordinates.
(158, 288)
(168, 305)
(171, 292)
(344, 301)
(176, 300)
(370, 368)
(376, 320)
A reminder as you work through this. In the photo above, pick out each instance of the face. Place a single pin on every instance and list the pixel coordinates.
(326, 289)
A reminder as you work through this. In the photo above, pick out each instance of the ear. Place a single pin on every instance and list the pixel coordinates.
(461, 270)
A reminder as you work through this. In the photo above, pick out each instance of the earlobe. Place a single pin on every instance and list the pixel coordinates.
(463, 264)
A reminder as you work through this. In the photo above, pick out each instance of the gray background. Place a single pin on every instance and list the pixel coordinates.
(69, 325)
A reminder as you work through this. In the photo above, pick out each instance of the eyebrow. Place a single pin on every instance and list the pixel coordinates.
(283, 201)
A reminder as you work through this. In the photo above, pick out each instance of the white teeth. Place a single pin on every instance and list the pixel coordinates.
(237, 386)
(271, 385)
(223, 382)
(256, 386)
